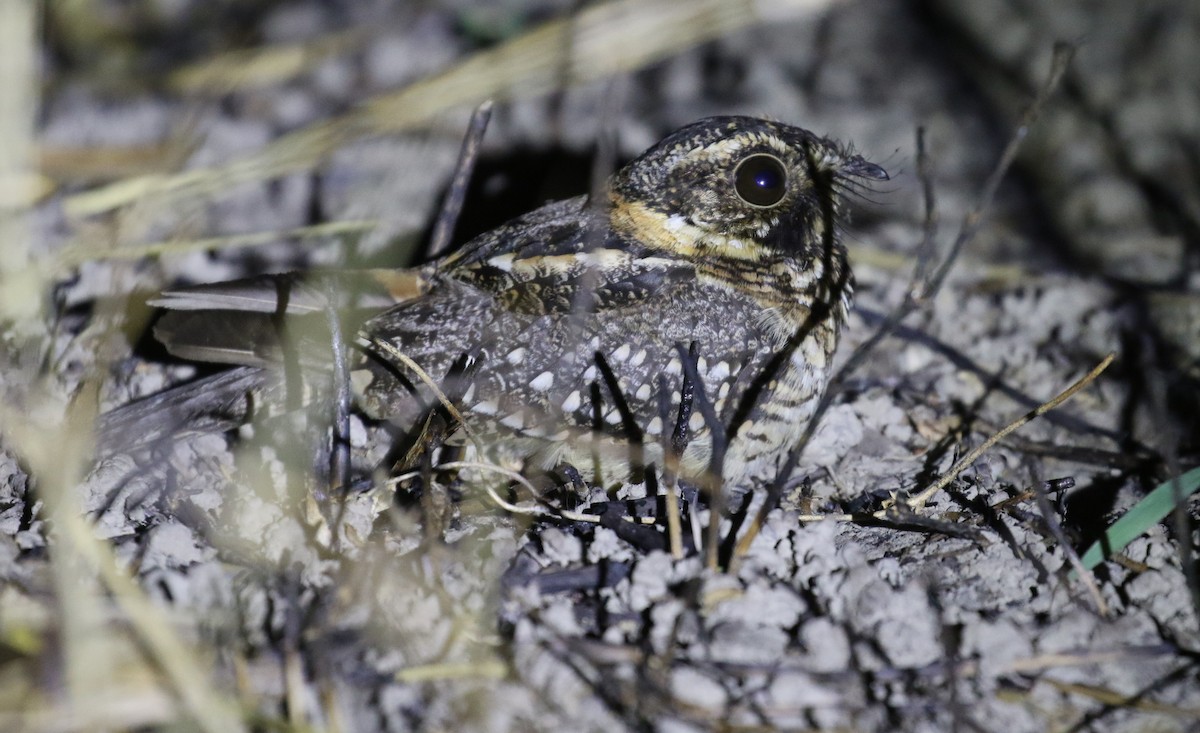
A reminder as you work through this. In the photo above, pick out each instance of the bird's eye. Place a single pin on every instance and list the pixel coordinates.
(760, 180)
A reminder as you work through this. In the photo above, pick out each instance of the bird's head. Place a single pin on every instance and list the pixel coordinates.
(738, 187)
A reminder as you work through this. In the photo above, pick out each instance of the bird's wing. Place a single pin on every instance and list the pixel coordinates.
(212, 404)
(238, 322)
(563, 257)
(298, 293)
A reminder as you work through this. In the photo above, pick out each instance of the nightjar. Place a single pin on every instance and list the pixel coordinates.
(558, 334)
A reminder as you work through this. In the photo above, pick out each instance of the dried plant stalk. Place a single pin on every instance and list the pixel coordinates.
(602, 40)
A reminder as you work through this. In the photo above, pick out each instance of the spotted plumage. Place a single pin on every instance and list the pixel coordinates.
(723, 235)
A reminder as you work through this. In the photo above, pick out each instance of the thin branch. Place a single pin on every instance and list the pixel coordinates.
(970, 225)
(714, 476)
(633, 432)
(423, 375)
(339, 458)
(922, 498)
(774, 495)
(681, 434)
(1061, 61)
(545, 510)
(1156, 389)
(1039, 490)
(670, 471)
(913, 504)
(452, 205)
(927, 251)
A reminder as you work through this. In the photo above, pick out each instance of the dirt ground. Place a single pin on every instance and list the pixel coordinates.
(261, 601)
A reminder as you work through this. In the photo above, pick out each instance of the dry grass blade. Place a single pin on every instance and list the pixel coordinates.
(339, 454)
(1061, 61)
(429, 381)
(927, 280)
(919, 501)
(1027, 665)
(674, 522)
(58, 458)
(1117, 699)
(259, 67)
(188, 680)
(534, 511)
(78, 253)
(670, 470)
(489, 669)
(714, 478)
(74, 162)
(601, 40)
(20, 294)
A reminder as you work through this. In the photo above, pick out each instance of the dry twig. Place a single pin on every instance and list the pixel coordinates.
(919, 295)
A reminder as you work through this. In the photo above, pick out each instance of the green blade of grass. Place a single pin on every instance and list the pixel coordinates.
(1145, 514)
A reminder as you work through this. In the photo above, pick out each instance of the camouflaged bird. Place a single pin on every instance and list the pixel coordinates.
(723, 235)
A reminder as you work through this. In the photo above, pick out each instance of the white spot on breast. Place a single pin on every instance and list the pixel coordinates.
(643, 392)
(655, 427)
(515, 421)
(542, 382)
(622, 353)
(696, 421)
(487, 407)
(571, 404)
(516, 356)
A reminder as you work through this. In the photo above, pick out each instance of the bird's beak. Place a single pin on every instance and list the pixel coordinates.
(861, 168)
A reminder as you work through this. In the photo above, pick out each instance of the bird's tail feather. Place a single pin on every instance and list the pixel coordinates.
(209, 405)
(243, 323)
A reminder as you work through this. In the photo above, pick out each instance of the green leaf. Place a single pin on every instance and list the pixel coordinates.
(1145, 514)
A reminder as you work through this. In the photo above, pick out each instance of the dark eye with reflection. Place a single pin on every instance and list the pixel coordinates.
(760, 180)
